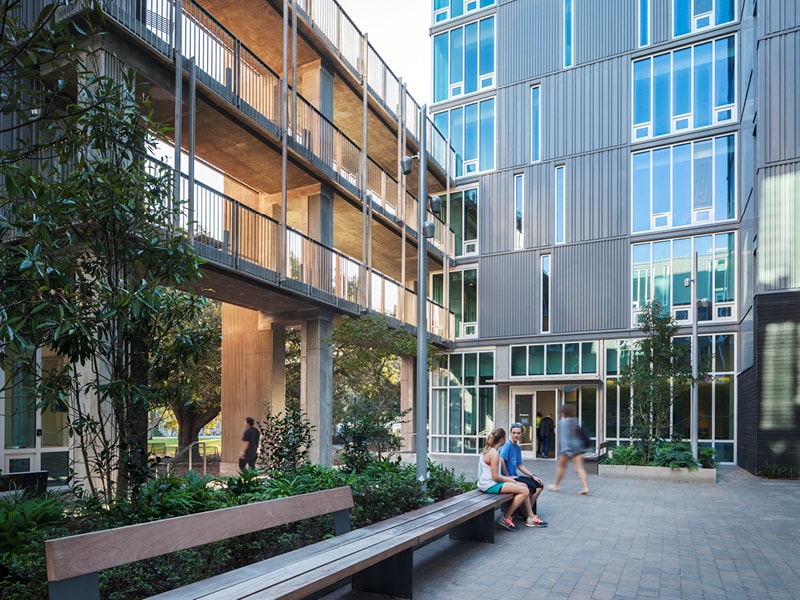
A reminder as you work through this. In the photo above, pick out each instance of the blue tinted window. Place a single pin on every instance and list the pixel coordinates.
(682, 82)
(682, 185)
(487, 135)
(644, 26)
(662, 117)
(641, 91)
(559, 205)
(456, 56)
(641, 191)
(456, 8)
(470, 132)
(535, 116)
(702, 85)
(487, 47)
(471, 58)
(702, 175)
(567, 33)
(441, 74)
(682, 17)
(661, 182)
(723, 10)
(724, 72)
(724, 182)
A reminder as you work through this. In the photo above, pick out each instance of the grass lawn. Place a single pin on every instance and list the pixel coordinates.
(166, 446)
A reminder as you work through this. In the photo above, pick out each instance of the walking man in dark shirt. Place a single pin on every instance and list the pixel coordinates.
(247, 457)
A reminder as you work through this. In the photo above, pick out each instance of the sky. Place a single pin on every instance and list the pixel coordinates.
(398, 30)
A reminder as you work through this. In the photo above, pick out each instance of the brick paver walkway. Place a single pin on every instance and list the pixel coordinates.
(739, 538)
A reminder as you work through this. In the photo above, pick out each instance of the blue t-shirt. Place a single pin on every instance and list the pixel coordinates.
(512, 454)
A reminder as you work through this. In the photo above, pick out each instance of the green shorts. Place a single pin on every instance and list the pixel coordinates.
(495, 489)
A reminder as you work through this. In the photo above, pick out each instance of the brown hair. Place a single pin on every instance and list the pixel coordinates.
(250, 421)
(493, 437)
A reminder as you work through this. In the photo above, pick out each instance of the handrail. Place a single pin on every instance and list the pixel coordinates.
(186, 449)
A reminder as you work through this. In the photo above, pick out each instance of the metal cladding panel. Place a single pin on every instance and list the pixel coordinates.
(531, 43)
(590, 286)
(660, 21)
(597, 196)
(616, 19)
(779, 122)
(581, 110)
(586, 108)
(533, 34)
(776, 16)
(509, 295)
(779, 224)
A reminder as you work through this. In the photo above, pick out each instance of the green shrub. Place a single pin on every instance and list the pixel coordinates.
(366, 435)
(707, 457)
(443, 483)
(624, 455)
(776, 471)
(285, 440)
(674, 455)
(384, 489)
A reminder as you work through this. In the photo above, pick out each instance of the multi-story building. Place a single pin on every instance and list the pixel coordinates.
(602, 146)
(586, 151)
(291, 133)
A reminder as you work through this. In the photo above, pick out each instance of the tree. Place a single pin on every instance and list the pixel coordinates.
(87, 225)
(366, 363)
(186, 364)
(660, 370)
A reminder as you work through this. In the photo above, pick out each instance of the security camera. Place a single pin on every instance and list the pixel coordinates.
(407, 163)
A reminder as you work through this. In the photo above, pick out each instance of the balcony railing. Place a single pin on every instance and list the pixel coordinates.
(229, 69)
(231, 234)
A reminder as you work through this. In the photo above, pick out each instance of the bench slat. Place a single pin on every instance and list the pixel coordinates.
(90, 552)
(310, 569)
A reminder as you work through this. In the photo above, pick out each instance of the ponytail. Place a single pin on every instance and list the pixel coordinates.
(492, 438)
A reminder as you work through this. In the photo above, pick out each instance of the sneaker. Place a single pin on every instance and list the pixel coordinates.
(507, 523)
(552, 488)
(535, 522)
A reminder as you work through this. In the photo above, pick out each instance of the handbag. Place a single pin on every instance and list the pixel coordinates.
(586, 437)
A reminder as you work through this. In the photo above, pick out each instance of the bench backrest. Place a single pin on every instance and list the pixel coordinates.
(86, 553)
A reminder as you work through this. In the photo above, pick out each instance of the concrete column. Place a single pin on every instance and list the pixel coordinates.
(316, 384)
(407, 367)
(252, 354)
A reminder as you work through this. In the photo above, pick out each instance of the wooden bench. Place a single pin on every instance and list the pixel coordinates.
(73, 562)
(591, 460)
(378, 558)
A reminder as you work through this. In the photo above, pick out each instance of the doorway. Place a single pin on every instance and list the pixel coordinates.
(526, 406)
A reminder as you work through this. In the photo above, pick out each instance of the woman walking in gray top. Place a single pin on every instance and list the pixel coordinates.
(570, 448)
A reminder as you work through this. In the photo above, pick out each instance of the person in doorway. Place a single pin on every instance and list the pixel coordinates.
(250, 437)
(511, 453)
(492, 481)
(570, 449)
(546, 428)
(538, 433)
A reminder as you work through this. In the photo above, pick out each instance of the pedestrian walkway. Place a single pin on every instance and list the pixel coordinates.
(737, 539)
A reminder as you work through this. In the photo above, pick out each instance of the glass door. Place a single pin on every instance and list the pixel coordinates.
(523, 414)
(546, 406)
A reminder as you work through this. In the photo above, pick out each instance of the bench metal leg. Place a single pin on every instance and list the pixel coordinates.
(392, 576)
(478, 529)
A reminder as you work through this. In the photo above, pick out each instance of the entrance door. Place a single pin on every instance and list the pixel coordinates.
(546, 405)
(523, 413)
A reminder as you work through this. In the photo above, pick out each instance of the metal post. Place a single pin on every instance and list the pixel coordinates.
(421, 405)
(693, 418)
